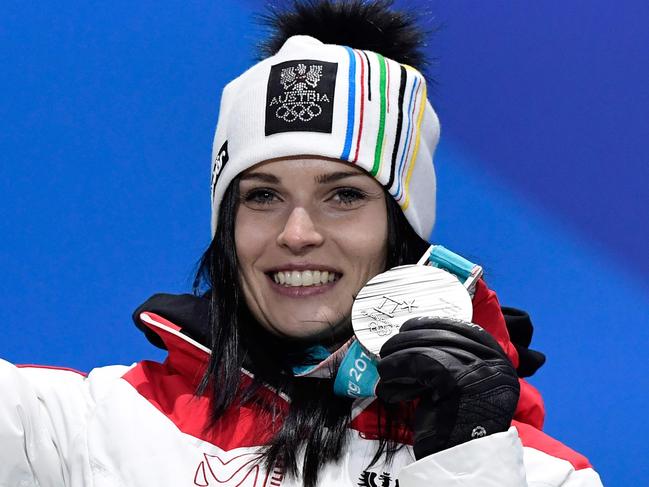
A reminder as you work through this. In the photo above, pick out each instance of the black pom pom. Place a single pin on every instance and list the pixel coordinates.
(370, 25)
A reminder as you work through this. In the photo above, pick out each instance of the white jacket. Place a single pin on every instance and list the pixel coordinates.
(142, 425)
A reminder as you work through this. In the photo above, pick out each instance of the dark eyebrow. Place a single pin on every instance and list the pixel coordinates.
(321, 179)
(261, 176)
(335, 176)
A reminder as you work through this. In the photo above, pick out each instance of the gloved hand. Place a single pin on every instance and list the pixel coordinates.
(466, 385)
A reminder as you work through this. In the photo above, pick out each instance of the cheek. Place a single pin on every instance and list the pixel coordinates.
(249, 247)
(241, 244)
(254, 230)
(375, 251)
(247, 242)
(367, 242)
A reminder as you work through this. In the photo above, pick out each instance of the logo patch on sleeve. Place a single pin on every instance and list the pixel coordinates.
(300, 96)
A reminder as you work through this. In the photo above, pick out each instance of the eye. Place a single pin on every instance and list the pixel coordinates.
(349, 196)
(260, 197)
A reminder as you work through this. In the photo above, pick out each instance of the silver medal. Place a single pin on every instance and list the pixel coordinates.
(391, 298)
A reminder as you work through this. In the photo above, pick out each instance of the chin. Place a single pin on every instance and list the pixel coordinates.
(336, 332)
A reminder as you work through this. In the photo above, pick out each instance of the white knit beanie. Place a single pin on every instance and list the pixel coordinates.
(326, 100)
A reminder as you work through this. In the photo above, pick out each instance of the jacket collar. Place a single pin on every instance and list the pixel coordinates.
(181, 326)
(186, 356)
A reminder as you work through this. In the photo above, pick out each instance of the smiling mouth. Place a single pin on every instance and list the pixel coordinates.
(306, 278)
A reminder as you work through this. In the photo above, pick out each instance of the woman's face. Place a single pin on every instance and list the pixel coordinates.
(309, 233)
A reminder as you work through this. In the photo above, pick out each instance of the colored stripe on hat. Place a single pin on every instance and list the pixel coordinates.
(395, 149)
(413, 160)
(387, 89)
(351, 98)
(406, 144)
(412, 133)
(369, 76)
(361, 115)
(402, 169)
(380, 138)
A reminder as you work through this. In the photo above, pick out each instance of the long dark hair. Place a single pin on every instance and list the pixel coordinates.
(317, 419)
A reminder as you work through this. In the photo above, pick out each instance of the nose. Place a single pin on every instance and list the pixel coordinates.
(300, 232)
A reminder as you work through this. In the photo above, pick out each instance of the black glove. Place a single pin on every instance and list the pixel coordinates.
(466, 385)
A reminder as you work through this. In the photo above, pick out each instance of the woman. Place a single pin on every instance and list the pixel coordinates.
(321, 179)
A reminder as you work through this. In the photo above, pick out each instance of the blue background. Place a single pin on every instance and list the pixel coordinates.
(107, 115)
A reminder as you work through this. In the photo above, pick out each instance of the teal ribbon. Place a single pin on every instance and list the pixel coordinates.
(357, 375)
(457, 265)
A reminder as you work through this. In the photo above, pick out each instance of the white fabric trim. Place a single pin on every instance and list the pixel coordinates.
(544, 470)
(493, 461)
(146, 318)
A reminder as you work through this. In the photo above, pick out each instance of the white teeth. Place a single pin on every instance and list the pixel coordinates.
(307, 278)
(303, 278)
(296, 278)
